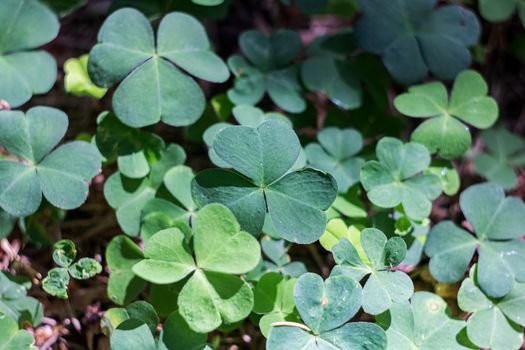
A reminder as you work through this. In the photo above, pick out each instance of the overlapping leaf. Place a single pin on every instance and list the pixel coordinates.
(12, 338)
(24, 72)
(502, 10)
(267, 68)
(377, 257)
(62, 175)
(395, 178)
(16, 304)
(262, 182)
(497, 222)
(417, 37)
(444, 131)
(77, 81)
(153, 87)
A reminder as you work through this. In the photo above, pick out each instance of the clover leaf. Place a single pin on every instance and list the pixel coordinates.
(274, 299)
(56, 282)
(415, 38)
(267, 68)
(61, 175)
(395, 178)
(422, 324)
(335, 154)
(443, 132)
(326, 307)
(280, 260)
(15, 303)
(13, 338)
(505, 151)
(138, 310)
(153, 87)
(494, 323)
(336, 229)
(328, 69)
(497, 222)
(24, 72)
(377, 257)
(77, 81)
(121, 255)
(262, 157)
(129, 196)
(64, 252)
(499, 11)
(212, 294)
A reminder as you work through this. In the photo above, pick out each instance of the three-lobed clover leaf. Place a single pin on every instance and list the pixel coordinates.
(61, 175)
(24, 72)
(422, 324)
(395, 178)
(417, 37)
(13, 338)
(494, 323)
(326, 307)
(336, 154)
(267, 68)
(443, 132)
(16, 304)
(502, 10)
(153, 87)
(212, 294)
(328, 69)
(505, 151)
(497, 222)
(376, 257)
(77, 80)
(262, 182)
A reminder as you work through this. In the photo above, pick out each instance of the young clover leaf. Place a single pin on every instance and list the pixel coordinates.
(384, 286)
(123, 284)
(443, 132)
(64, 252)
(422, 324)
(153, 87)
(15, 303)
(22, 72)
(329, 70)
(12, 338)
(274, 299)
(61, 175)
(335, 154)
(502, 10)
(337, 229)
(505, 151)
(448, 175)
(396, 178)
(498, 225)
(263, 157)
(326, 307)
(267, 68)
(494, 323)
(77, 81)
(56, 282)
(212, 294)
(414, 38)
(280, 260)
(129, 196)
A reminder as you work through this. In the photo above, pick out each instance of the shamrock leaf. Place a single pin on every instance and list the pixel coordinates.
(415, 38)
(138, 310)
(22, 72)
(498, 224)
(129, 196)
(132, 334)
(85, 268)
(384, 286)
(56, 282)
(335, 154)
(504, 152)
(13, 338)
(274, 299)
(177, 335)
(267, 68)
(336, 229)
(15, 303)
(494, 323)
(499, 11)
(443, 132)
(212, 294)
(280, 260)
(448, 175)
(153, 87)
(328, 69)
(325, 307)
(123, 284)
(422, 324)
(262, 158)
(396, 178)
(61, 175)
(77, 81)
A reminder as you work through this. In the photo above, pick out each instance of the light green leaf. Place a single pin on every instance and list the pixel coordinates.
(132, 334)
(15, 303)
(56, 282)
(85, 268)
(11, 338)
(77, 81)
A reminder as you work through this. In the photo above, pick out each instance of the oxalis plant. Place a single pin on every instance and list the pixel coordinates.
(282, 175)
